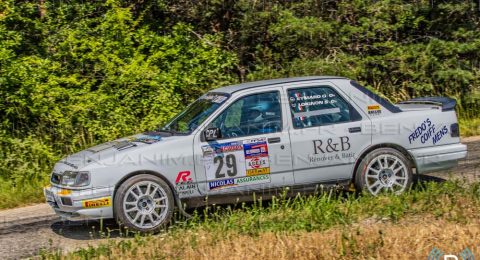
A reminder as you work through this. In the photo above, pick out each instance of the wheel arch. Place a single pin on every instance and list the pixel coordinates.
(135, 173)
(382, 145)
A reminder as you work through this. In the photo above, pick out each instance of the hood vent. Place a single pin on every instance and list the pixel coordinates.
(122, 145)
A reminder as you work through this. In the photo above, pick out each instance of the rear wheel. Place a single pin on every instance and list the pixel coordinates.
(384, 170)
(144, 203)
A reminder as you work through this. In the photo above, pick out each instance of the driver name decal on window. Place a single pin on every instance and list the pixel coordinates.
(316, 106)
(236, 163)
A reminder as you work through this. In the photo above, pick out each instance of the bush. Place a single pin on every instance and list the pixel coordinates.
(77, 73)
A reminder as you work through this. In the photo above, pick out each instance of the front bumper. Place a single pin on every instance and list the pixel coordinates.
(80, 204)
(438, 157)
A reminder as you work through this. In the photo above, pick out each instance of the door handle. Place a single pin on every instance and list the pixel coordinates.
(354, 129)
(274, 140)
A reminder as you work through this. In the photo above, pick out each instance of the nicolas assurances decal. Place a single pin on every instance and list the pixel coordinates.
(331, 149)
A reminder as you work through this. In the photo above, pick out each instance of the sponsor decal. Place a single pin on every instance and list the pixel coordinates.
(257, 165)
(374, 110)
(223, 160)
(253, 179)
(185, 189)
(184, 184)
(255, 140)
(227, 163)
(207, 150)
(342, 144)
(248, 180)
(256, 157)
(183, 177)
(255, 151)
(147, 139)
(438, 135)
(224, 148)
(220, 184)
(426, 131)
(331, 149)
(97, 203)
(230, 148)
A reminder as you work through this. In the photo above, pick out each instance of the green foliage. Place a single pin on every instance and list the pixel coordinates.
(96, 77)
(77, 73)
(401, 49)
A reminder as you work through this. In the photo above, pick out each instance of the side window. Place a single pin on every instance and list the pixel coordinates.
(232, 117)
(317, 106)
(251, 115)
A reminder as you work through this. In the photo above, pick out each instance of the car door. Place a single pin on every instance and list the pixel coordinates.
(326, 134)
(254, 150)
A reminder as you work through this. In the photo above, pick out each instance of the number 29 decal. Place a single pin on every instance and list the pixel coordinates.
(230, 162)
(237, 163)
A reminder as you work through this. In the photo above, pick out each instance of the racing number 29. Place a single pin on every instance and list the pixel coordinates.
(231, 163)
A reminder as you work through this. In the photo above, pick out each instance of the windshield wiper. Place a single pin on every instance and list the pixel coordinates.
(159, 130)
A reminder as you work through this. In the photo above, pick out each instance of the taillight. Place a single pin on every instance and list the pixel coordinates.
(454, 130)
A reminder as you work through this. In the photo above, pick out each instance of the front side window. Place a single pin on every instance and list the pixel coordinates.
(251, 115)
(190, 118)
(317, 106)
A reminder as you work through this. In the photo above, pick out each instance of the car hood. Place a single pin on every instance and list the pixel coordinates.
(113, 149)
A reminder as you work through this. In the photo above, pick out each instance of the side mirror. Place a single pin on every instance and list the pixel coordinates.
(212, 134)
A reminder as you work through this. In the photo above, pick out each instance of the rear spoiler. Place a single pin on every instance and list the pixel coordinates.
(446, 103)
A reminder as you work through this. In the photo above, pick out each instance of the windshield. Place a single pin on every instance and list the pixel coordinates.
(190, 118)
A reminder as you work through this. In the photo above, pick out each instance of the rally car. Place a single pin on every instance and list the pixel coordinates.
(257, 138)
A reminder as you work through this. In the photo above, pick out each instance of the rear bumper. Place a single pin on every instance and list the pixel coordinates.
(438, 157)
(80, 204)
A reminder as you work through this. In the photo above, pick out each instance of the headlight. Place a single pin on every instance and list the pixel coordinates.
(75, 179)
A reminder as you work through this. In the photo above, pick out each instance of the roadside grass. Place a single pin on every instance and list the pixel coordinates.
(11, 196)
(325, 225)
(469, 127)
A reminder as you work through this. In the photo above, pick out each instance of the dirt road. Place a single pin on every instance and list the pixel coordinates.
(27, 230)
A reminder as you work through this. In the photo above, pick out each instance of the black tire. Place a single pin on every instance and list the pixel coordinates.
(363, 183)
(124, 196)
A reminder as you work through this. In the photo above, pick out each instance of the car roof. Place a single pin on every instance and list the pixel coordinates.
(261, 83)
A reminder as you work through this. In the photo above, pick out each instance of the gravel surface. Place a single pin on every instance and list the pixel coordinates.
(25, 231)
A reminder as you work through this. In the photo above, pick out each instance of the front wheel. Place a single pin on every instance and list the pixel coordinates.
(144, 203)
(384, 170)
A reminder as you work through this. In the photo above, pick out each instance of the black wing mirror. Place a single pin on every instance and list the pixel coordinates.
(212, 134)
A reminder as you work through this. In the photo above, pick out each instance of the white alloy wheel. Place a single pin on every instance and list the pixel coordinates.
(384, 170)
(144, 203)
